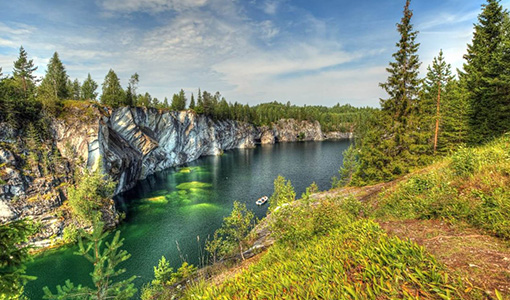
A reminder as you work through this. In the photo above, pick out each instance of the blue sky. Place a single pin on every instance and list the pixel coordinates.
(252, 51)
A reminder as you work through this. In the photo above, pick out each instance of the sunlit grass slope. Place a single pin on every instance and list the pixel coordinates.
(473, 185)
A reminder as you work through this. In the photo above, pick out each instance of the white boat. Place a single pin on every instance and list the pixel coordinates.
(262, 200)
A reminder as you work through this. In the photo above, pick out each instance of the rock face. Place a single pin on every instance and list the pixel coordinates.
(289, 130)
(129, 144)
(132, 143)
(336, 135)
(138, 142)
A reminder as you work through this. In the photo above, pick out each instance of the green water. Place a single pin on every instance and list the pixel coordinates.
(181, 204)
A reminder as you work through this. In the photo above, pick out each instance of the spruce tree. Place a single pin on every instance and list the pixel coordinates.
(23, 71)
(207, 103)
(88, 89)
(403, 82)
(13, 254)
(76, 90)
(56, 78)
(54, 86)
(113, 94)
(436, 86)
(395, 141)
(483, 74)
(179, 101)
(200, 103)
(131, 96)
(455, 118)
(106, 258)
(192, 102)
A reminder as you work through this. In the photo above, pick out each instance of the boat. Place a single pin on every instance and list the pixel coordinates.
(262, 200)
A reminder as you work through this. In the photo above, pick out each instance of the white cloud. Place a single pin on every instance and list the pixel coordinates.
(444, 19)
(268, 30)
(270, 7)
(151, 6)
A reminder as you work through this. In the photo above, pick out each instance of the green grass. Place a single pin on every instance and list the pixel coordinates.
(473, 186)
(354, 261)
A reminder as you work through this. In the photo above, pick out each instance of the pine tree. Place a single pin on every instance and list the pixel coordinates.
(131, 95)
(192, 102)
(106, 260)
(56, 78)
(113, 94)
(200, 103)
(483, 74)
(76, 90)
(23, 71)
(236, 227)
(395, 141)
(88, 89)
(13, 253)
(179, 101)
(54, 86)
(436, 90)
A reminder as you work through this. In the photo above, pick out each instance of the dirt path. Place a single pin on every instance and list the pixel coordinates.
(483, 259)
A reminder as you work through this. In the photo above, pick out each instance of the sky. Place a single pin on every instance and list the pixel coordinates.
(313, 52)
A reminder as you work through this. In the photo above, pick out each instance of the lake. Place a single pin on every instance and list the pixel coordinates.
(172, 213)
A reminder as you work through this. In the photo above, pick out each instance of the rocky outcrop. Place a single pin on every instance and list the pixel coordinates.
(337, 135)
(290, 130)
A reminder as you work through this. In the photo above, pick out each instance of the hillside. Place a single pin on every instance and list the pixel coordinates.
(438, 233)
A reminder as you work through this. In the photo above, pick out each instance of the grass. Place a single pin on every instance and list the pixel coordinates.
(357, 260)
(88, 110)
(472, 186)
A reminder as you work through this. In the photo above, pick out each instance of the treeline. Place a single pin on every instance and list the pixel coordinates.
(23, 99)
(426, 117)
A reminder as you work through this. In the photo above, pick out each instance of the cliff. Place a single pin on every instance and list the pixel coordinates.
(128, 143)
(133, 143)
(289, 130)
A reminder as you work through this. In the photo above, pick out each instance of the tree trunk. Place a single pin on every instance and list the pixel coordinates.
(241, 250)
(437, 115)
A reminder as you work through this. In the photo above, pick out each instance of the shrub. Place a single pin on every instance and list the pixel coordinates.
(92, 192)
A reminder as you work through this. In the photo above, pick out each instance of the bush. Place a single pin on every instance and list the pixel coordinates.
(464, 162)
(293, 224)
(283, 193)
(70, 234)
(92, 192)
